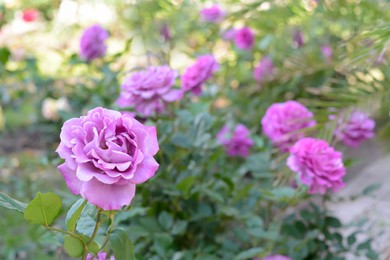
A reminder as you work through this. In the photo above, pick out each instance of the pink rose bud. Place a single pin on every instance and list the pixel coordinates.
(30, 15)
(165, 32)
(263, 70)
(317, 164)
(327, 51)
(244, 38)
(198, 73)
(149, 91)
(283, 122)
(212, 14)
(237, 143)
(355, 129)
(106, 154)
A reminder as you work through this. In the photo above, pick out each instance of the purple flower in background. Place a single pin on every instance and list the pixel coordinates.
(165, 32)
(100, 256)
(317, 164)
(212, 14)
(106, 154)
(195, 75)
(355, 129)
(276, 257)
(92, 43)
(327, 51)
(150, 90)
(263, 70)
(297, 38)
(229, 34)
(237, 143)
(283, 122)
(244, 38)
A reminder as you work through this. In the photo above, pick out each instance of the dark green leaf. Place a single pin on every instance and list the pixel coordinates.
(250, 253)
(186, 184)
(165, 220)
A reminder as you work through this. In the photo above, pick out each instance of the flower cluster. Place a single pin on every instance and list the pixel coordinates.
(283, 123)
(92, 43)
(237, 143)
(106, 154)
(195, 75)
(149, 90)
(318, 165)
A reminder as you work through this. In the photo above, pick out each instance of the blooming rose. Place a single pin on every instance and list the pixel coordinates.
(355, 129)
(264, 69)
(318, 165)
(237, 143)
(212, 14)
(276, 257)
(283, 122)
(195, 75)
(244, 38)
(149, 90)
(30, 15)
(100, 256)
(106, 154)
(92, 43)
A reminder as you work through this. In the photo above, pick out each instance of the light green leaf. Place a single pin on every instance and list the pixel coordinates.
(10, 203)
(43, 209)
(121, 245)
(73, 246)
(74, 213)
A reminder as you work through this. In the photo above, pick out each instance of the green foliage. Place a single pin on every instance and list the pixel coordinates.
(43, 209)
(10, 203)
(121, 245)
(74, 213)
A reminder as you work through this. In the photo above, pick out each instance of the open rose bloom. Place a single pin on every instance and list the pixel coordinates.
(318, 165)
(355, 129)
(212, 14)
(283, 123)
(106, 154)
(92, 43)
(150, 90)
(198, 73)
(244, 38)
(237, 143)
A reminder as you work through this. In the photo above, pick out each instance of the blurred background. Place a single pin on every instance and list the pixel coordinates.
(330, 55)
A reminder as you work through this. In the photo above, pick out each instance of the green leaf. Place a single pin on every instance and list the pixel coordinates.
(186, 184)
(43, 209)
(74, 213)
(10, 203)
(371, 188)
(4, 55)
(73, 246)
(165, 220)
(121, 245)
(161, 243)
(332, 222)
(249, 253)
(179, 227)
